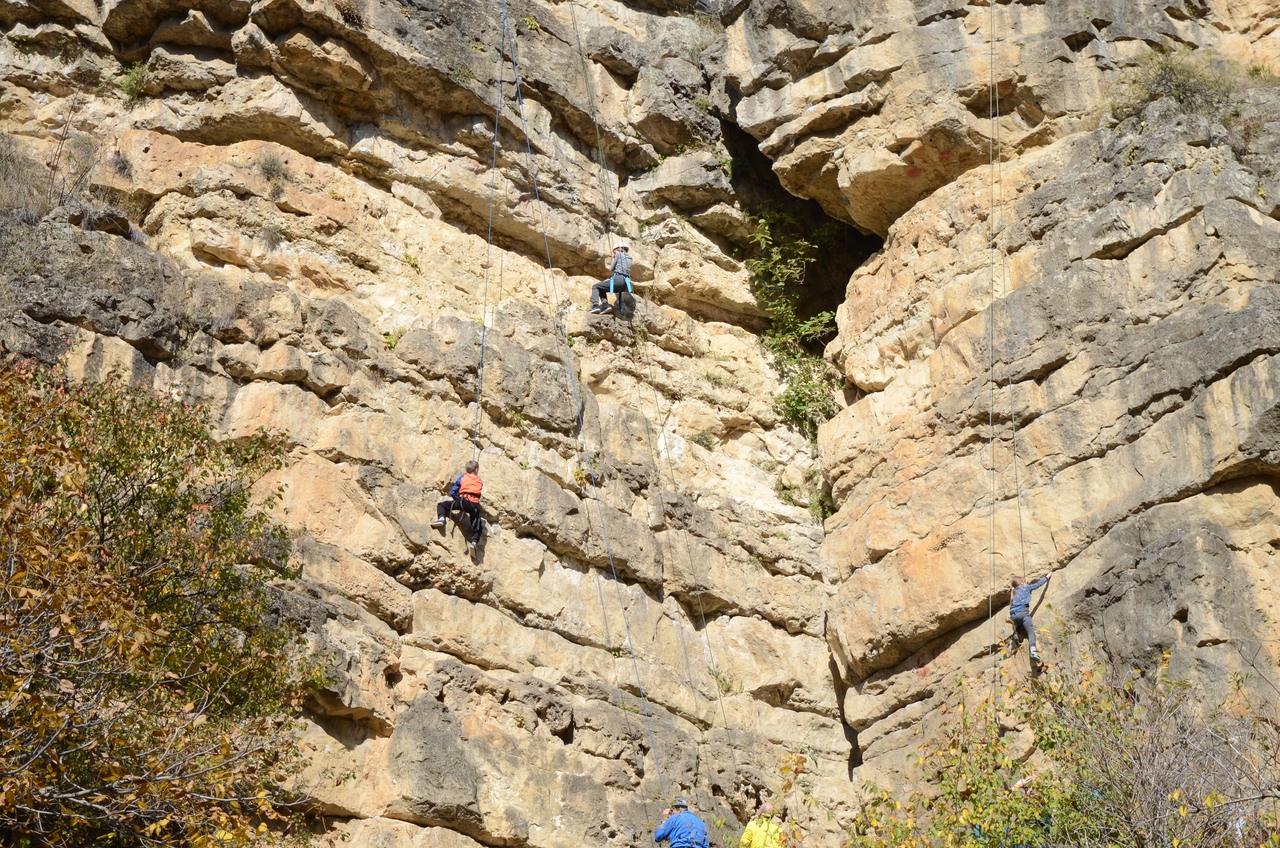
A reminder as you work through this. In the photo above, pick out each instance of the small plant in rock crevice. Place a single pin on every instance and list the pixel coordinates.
(725, 682)
(272, 236)
(821, 507)
(706, 440)
(133, 83)
(720, 381)
(350, 13)
(121, 165)
(1200, 85)
(272, 166)
(391, 339)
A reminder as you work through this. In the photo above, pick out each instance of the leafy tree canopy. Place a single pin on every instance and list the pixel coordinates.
(145, 682)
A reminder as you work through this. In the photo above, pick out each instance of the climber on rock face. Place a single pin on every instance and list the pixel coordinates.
(764, 831)
(682, 829)
(465, 496)
(1020, 609)
(618, 280)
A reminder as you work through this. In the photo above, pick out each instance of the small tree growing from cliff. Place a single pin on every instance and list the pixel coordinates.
(145, 682)
(1136, 765)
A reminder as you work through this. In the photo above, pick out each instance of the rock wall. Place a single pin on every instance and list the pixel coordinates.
(311, 192)
(1067, 358)
(310, 185)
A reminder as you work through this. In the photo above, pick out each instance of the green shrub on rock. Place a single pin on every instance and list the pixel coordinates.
(147, 681)
(1200, 85)
(1146, 763)
(783, 254)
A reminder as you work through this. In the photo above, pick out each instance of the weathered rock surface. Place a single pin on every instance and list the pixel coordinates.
(301, 193)
(869, 107)
(314, 190)
(1133, 349)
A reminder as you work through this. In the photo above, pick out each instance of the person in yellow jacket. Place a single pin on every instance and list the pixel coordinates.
(764, 831)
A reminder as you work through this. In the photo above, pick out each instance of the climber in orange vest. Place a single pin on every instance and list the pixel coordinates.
(464, 496)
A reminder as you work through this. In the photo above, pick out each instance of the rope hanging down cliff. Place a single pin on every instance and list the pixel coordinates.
(602, 182)
(995, 238)
(488, 251)
(573, 390)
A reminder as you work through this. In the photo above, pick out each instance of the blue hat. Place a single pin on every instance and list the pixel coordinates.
(680, 802)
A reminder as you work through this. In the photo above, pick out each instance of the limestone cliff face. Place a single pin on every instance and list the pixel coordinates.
(313, 181)
(1084, 384)
(313, 184)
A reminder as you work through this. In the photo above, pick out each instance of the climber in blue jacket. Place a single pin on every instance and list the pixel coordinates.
(619, 280)
(1020, 608)
(682, 829)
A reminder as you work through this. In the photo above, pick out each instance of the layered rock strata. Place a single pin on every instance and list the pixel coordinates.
(310, 191)
(311, 186)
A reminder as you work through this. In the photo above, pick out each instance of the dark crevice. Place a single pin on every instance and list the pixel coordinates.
(757, 186)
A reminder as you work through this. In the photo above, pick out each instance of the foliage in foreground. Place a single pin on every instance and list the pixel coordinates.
(783, 254)
(145, 686)
(1139, 765)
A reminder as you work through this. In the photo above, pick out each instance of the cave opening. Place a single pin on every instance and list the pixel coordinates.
(841, 247)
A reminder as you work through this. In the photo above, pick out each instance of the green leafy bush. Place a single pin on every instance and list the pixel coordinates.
(133, 83)
(146, 681)
(1143, 764)
(784, 251)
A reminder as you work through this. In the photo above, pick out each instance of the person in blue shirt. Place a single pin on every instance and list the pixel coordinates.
(682, 829)
(1020, 609)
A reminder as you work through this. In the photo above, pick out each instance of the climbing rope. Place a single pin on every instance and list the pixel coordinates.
(609, 206)
(998, 247)
(577, 402)
(992, 94)
(610, 202)
(488, 251)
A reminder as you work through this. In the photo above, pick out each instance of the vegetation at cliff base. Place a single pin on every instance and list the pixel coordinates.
(146, 681)
(1139, 764)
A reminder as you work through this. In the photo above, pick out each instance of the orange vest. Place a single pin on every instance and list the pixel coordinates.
(469, 487)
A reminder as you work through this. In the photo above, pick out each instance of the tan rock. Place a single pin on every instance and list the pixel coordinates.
(322, 61)
(363, 584)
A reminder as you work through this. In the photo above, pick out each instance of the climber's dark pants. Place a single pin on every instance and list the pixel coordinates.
(1022, 621)
(471, 510)
(600, 291)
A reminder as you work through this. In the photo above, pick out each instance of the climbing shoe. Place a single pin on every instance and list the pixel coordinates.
(595, 310)
(606, 308)
(439, 522)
